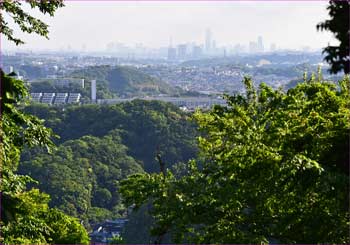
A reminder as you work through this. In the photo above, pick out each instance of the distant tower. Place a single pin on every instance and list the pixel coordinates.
(82, 83)
(260, 44)
(182, 51)
(208, 41)
(197, 51)
(93, 90)
(171, 53)
(273, 47)
(171, 50)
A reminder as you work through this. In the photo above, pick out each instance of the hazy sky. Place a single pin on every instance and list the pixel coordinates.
(289, 24)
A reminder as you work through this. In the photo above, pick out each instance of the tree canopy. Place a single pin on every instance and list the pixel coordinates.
(24, 20)
(275, 170)
(26, 216)
(82, 176)
(338, 56)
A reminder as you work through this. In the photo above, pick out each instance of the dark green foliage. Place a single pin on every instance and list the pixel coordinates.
(338, 56)
(137, 230)
(146, 128)
(98, 145)
(25, 215)
(84, 173)
(275, 170)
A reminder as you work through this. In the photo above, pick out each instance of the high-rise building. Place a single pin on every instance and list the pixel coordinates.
(238, 48)
(182, 51)
(171, 53)
(171, 50)
(197, 52)
(260, 44)
(213, 46)
(273, 47)
(208, 41)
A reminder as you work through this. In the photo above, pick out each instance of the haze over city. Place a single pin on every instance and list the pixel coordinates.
(93, 25)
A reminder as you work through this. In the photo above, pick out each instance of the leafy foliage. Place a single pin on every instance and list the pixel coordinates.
(37, 223)
(25, 215)
(82, 176)
(101, 145)
(25, 21)
(338, 56)
(275, 170)
(145, 127)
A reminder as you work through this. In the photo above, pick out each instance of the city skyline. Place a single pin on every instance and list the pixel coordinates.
(289, 25)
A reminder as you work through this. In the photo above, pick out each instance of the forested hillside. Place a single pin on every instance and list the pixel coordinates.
(125, 81)
(112, 82)
(101, 145)
(146, 128)
(82, 176)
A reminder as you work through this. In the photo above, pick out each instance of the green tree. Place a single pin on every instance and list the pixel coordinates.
(25, 214)
(81, 176)
(26, 22)
(26, 217)
(338, 56)
(275, 170)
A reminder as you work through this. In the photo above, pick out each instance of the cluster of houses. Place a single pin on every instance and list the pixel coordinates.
(106, 230)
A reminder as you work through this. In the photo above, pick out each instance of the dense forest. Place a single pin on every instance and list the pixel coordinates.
(100, 145)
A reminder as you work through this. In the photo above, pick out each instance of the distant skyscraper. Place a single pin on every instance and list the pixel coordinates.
(171, 53)
(273, 47)
(208, 42)
(238, 49)
(260, 44)
(171, 50)
(182, 51)
(197, 52)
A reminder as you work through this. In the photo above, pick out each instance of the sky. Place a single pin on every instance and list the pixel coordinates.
(94, 24)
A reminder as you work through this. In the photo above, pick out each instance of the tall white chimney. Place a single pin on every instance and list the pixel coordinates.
(93, 90)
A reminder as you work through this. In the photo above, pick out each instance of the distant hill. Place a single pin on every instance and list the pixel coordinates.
(126, 81)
